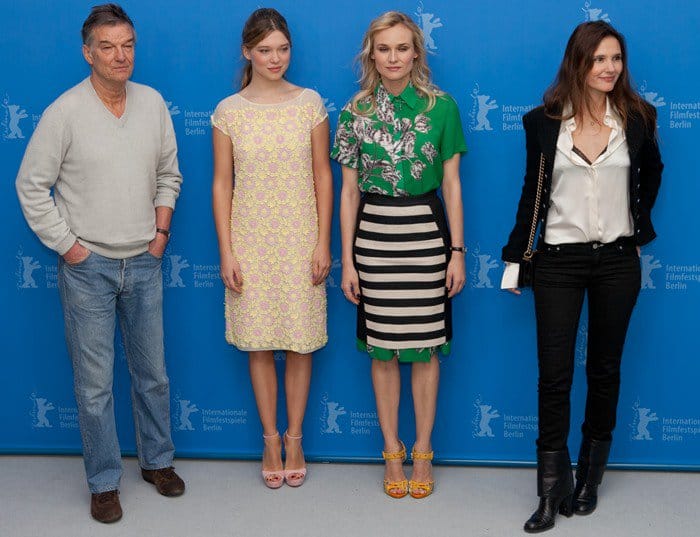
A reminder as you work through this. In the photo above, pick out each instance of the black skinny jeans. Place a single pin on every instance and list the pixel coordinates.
(611, 275)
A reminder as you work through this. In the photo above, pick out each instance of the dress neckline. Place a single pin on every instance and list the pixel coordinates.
(273, 104)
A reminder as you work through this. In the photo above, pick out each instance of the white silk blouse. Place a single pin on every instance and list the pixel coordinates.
(589, 201)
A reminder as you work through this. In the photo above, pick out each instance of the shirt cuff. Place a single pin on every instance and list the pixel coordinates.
(65, 244)
(510, 276)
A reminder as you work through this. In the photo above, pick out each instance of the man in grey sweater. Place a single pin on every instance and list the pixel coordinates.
(107, 149)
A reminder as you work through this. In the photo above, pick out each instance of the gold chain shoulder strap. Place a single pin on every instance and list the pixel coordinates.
(527, 256)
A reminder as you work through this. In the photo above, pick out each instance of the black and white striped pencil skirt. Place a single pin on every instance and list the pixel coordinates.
(401, 252)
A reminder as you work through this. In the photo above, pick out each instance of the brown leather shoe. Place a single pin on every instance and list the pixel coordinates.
(105, 506)
(167, 482)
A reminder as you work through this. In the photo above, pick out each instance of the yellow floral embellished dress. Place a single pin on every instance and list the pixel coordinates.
(274, 224)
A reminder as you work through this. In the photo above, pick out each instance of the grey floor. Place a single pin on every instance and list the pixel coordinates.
(47, 496)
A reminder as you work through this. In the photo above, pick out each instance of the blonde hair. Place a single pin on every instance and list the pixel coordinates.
(369, 76)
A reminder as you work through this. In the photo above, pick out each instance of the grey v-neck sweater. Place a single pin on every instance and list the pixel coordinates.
(108, 174)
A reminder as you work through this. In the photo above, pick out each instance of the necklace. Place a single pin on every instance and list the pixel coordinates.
(590, 125)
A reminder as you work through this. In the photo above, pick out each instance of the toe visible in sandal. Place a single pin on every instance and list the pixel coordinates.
(273, 479)
(396, 489)
(296, 477)
(421, 489)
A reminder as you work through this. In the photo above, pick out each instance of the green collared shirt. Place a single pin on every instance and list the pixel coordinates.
(399, 148)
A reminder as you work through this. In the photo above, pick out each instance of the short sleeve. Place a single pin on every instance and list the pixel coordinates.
(319, 111)
(218, 119)
(346, 146)
(452, 136)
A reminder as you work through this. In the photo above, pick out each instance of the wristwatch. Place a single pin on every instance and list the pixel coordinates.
(162, 231)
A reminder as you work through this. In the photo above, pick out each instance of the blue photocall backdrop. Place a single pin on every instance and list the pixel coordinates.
(496, 59)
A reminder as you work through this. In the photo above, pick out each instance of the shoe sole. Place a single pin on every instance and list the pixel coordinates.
(162, 493)
(111, 521)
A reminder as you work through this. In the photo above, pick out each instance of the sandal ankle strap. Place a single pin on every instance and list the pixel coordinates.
(268, 436)
(393, 455)
(421, 455)
(286, 433)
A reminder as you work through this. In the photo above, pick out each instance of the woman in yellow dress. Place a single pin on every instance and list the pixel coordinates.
(272, 200)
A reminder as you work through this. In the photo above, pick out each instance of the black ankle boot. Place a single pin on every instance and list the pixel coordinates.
(555, 486)
(592, 460)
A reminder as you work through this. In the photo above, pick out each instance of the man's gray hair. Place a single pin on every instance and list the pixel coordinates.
(104, 15)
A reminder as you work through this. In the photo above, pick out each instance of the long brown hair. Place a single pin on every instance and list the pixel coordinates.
(369, 76)
(261, 23)
(570, 84)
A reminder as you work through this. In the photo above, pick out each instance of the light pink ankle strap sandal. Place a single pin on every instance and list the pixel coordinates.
(273, 479)
(294, 478)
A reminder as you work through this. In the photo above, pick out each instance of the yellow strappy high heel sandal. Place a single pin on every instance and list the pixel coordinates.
(396, 489)
(421, 489)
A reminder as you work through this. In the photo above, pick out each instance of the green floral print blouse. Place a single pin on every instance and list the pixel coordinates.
(398, 150)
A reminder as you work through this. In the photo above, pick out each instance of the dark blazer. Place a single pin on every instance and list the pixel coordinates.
(541, 133)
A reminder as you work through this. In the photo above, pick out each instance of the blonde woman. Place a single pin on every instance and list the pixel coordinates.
(398, 140)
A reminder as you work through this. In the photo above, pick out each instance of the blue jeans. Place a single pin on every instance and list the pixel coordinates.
(94, 293)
